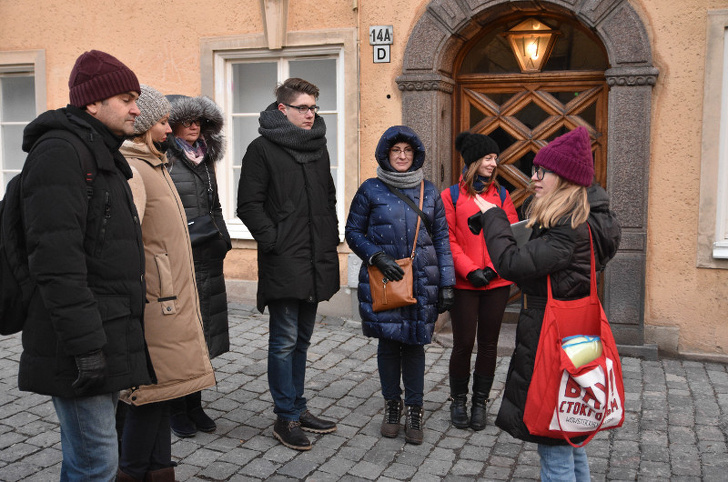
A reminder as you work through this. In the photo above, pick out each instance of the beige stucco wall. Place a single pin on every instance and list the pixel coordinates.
(685, 306)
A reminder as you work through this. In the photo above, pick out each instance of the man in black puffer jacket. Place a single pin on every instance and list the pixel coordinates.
(83, 340)
(287, 199)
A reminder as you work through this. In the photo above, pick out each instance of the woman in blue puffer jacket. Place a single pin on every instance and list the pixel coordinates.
(380, 229)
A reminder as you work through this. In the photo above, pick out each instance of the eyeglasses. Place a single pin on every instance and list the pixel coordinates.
(397, 151)
(188, 123)
(539, 172)
(302, 109)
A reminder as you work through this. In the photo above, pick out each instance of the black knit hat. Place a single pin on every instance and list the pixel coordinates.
(98, 76)
(475, 146)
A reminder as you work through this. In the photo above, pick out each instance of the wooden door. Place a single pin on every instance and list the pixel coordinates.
(523, 114)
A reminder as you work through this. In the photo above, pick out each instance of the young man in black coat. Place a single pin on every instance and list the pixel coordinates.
(83, 339)
(287, 199)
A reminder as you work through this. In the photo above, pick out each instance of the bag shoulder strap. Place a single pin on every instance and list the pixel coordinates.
(593, 274)
(502, 195)
(419, 219)
(411, 204)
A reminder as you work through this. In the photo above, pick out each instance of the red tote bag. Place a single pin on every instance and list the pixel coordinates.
(565, 401)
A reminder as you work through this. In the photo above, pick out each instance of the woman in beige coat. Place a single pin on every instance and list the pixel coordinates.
(172, 321)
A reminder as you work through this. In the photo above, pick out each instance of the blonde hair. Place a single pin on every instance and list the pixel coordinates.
(566, 200)
(472, 173)
(146, 139)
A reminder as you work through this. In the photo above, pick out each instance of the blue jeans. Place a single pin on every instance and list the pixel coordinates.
(290, 330)
(88, 437)
(399, 360)
(563, 463)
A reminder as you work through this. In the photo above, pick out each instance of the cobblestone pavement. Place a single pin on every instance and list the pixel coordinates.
(676, 426)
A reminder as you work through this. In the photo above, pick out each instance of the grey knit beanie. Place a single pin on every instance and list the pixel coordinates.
(153, 106)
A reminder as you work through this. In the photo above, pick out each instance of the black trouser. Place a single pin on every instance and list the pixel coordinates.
(481, 312)
(146, 444)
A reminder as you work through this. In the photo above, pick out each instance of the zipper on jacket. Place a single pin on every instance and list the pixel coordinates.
(104, 222)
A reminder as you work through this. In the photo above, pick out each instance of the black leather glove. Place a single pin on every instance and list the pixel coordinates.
(477, 278)
(490, 274)
(91, 371)
(481, 277)
(446, 298)
(388, 266)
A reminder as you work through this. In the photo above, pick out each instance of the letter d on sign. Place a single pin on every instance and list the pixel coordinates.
(381, 54)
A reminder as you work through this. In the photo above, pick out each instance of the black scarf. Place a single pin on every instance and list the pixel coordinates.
(480, 183)
(303, 145)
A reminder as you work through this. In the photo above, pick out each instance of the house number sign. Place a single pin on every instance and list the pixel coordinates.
(381, 37)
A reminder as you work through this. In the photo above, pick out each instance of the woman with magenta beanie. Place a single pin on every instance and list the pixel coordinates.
(565, 201)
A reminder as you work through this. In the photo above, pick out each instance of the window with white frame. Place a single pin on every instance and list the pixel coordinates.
(250, 79)
(720, 246)
(17, 109)
(713, 212)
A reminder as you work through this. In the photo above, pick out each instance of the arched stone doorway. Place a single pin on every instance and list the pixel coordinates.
(427, 87)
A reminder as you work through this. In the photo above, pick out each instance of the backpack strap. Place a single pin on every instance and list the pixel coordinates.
(88, 164)
(454, 195)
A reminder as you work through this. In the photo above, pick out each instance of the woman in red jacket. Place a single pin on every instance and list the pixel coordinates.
(480, 294)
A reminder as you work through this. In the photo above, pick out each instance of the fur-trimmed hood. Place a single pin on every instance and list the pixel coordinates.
(186, 108)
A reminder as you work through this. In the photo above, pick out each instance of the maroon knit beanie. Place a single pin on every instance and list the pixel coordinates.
(98, 76)
(569, 156)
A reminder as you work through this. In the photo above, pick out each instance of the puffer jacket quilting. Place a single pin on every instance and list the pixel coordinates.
(290, 209)
(87, 257)
(468, 250)
(380, 221)
(192, 184)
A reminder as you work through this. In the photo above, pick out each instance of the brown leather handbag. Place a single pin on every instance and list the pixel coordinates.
(387, 294)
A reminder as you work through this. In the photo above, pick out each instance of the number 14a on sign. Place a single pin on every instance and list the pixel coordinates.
(381, 35)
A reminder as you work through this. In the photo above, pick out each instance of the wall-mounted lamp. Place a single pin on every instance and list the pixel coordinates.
(531, 42)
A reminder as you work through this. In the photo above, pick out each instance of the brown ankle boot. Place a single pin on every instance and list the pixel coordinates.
(392, 414)
(160, 475)
(413, 432)
(124, 477)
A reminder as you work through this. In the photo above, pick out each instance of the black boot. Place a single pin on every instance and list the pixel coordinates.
(198, 416)
(481, 390)
(290, 434)
(459, 398)
(179, 421)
